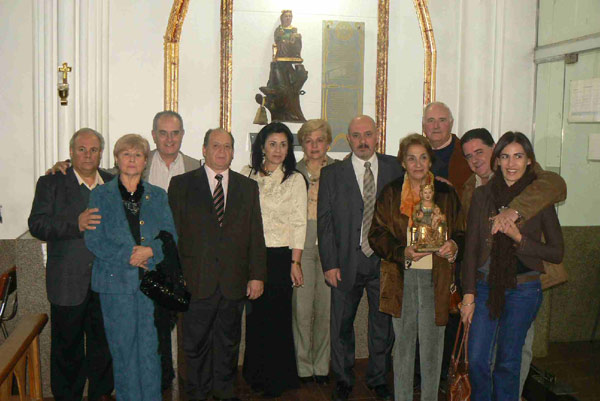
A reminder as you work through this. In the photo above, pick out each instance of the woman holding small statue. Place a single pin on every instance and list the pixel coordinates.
(416, 277)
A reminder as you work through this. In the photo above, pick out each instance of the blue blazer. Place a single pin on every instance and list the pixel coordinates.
(112, 243)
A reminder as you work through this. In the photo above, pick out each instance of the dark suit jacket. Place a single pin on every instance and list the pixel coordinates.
(211, 256)
(54, 218)
(340, 213)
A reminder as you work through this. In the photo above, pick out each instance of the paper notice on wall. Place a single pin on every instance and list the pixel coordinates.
(585, 101)
(594, 147)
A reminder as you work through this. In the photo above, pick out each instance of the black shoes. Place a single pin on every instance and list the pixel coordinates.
(382, 392)
(341, 392)
(321, 380)
(306, 379)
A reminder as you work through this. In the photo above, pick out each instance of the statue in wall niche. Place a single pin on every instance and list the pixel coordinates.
(429, 229)
(286, 77)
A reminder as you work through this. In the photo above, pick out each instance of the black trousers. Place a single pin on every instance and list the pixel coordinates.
(270, 358)
(79, 351)
(211, 331)
(380, 333)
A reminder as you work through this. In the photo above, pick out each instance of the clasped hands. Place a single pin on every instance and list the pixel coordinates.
(446, 251)
(505, 222)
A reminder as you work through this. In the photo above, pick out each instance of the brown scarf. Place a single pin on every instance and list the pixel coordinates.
(503, 264)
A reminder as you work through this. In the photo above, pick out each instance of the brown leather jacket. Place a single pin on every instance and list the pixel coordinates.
(388, 239)
(547, 189)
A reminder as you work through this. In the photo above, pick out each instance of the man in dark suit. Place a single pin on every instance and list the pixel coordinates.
(347, 195)
(59, 215)
(223, 255)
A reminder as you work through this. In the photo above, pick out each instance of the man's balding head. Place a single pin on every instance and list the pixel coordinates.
(363, 136)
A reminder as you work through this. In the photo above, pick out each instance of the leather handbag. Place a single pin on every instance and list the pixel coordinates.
(455, 299)
(459, 385)
(166, 285)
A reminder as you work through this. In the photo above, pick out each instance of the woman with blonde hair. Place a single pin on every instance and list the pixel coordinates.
(125, 244)
(311, 303)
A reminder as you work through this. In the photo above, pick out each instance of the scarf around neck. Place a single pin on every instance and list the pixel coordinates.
(408, 200)
(503, 261)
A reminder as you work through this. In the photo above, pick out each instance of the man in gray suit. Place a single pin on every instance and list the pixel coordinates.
(347, 195)
(59, 216)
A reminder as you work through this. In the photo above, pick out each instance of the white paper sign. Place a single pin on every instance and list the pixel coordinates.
(585, 101)
(594, 147)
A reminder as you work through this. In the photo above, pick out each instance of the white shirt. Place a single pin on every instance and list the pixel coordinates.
(97, 181)
(160, 175)
(283, 206)
(212, 182)
(359, 169)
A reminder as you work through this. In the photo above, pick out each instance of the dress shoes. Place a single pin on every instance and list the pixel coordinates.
(341, 392)
(106, 397)
(306, 379)
(382, 392)
(322, 380)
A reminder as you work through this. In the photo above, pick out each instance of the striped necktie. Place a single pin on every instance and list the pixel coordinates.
(368, 208)
(219, 199)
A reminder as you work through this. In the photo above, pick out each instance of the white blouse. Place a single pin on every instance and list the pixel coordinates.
(283, 206)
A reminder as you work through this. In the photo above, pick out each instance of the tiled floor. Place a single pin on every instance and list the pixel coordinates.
(576, 364)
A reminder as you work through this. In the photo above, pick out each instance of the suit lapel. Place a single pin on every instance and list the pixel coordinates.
(233, 201)
(201, 192)
(73, 191)
(383, 173)
(349, 178)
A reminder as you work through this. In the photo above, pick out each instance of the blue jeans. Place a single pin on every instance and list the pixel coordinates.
(508, 334)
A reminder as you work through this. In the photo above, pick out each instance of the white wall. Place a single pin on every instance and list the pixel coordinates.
(485, 72)
(16, 116)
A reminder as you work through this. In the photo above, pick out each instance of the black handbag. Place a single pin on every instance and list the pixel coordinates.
(166, 285)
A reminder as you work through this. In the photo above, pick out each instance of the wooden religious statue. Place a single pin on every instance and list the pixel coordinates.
(286, 77)
(429, 229)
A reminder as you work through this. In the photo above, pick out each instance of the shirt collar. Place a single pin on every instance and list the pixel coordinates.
(175, 162)
(478, 181)
(446, 144)
(210, 173)
(358, 162)
(97, 181)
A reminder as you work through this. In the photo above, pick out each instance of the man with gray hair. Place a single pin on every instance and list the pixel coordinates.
(449, 161)
(167, 161)
(59, 216)
(164, 162)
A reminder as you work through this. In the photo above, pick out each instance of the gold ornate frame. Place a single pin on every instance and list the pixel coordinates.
(173, 34)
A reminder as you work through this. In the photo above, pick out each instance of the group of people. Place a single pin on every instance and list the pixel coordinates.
(295, 244)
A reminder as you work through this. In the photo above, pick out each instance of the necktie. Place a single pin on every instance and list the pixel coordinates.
(368, 208)
(219, 199)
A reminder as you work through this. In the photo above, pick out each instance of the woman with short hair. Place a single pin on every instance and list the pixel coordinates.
(125, 244)
(501, 271)
(311, 303)
(415, 286)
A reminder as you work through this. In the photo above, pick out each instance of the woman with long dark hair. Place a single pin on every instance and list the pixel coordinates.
(501, 271)
(269, 360)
